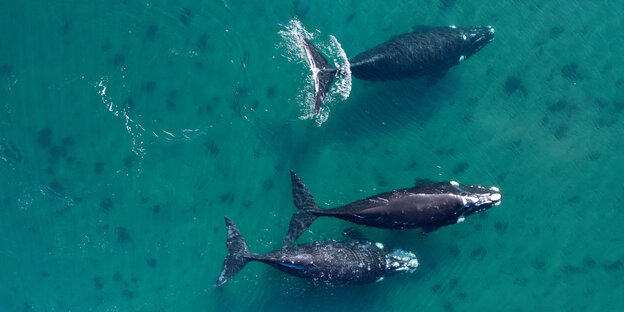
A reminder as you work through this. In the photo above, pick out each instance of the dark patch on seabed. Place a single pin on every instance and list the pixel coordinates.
(6, 70)
(123, 236)
(460, 168)
(514, 84)
(151, 32)
(151, 262)
(186, 16)
(106, 205)
(570, 72)
(117, 60)
(202, 42)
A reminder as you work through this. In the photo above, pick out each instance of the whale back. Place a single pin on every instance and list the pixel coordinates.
(338, 262)
(423, 52)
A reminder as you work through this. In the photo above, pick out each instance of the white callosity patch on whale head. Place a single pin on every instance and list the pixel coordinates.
(495, 189)
(452, 26)
(471, 200)
(491, 29)
(454, 183)
(461, 58)
(461, 219)
(379, 245)
(496, 198)
(413, 264)
(464, 36)
(401, 261)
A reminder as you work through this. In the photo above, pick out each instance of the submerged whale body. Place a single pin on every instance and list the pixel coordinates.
(427, 51)
(351, 261)
(428, 206)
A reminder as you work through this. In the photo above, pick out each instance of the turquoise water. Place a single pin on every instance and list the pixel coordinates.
(129, 129)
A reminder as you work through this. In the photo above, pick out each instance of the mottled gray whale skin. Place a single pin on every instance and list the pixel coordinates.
(350, 261)
(427, 206)
(427, 51)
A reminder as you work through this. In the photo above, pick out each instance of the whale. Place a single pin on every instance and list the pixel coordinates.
(346, 262)
(425, 51)
(428, 206)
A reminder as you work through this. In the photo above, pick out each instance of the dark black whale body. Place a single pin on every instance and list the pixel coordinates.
(428, 51)
(350, 261)
(428, 206)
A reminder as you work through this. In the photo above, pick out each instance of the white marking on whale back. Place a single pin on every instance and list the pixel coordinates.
(454, 183)
(491, 29)
(379, 279)
(464, 36)
(461, 219)
(452, 26)
(379, 245)
(461, 58)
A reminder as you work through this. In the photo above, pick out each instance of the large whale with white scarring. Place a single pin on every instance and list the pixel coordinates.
(426, 51)
(349, 261)
(427, 206)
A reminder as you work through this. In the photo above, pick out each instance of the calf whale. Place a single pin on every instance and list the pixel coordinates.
(426, 51)
(350, 261)
(428, 206)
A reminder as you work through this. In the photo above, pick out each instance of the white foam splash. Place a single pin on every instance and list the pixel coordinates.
(294, 51)
(133, 128)
(290, 44)
(342, 85)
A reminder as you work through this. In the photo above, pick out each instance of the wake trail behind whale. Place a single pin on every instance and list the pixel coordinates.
(295, 50)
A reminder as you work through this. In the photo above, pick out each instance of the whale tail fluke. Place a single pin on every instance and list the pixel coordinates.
(238, 255)
(308, 210)
(323, 72)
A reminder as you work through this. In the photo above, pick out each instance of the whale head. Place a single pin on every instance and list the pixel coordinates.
(476, 198)
(475, 38)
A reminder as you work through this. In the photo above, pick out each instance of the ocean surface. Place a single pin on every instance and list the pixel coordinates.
(129, 129)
